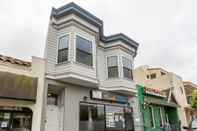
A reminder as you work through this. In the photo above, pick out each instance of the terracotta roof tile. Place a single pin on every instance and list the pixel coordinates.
(14, 61)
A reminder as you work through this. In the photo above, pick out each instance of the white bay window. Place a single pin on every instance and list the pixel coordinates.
(127, 68)
(112, 65)
(84, 51)
(63, 48)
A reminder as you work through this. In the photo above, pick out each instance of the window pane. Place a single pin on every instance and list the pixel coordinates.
(84, 51)
(112, 61)
(84, 45)
(92, 117)
(63, 42)
(115, 119)
(21, 121)
(84, 57)
(62, 55)
(112, 71)
(127, 73)
(129, 123)
(126, 63)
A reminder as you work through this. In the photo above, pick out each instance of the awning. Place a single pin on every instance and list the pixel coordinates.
(19, 87)
(157, 101)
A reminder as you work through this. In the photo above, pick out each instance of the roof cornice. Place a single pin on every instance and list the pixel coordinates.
(73, 8)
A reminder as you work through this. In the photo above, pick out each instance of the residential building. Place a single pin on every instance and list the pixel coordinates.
(190, 112)
(158, 114)
(21, 93)
(89, 80)
(158, 78)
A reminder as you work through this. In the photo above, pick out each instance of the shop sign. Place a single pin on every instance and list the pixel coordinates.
(154, 92)
(97, 94)
(4, 124)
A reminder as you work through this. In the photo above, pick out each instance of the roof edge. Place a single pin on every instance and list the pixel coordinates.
(72, 8)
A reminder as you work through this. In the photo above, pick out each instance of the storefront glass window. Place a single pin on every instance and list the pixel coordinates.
(4, 120)
(115, 119)
(92, 117)
(21, 122)
(97, 117)
(129, 123)
(15, 121)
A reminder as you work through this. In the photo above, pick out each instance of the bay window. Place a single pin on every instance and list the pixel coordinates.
(84, 51)
(112, 66)
(63, 48)
(127, 68)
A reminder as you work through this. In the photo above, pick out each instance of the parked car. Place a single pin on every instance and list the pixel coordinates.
(192, 126)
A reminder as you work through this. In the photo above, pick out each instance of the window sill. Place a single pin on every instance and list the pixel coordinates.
(84, 65)
(62, 63)
(119, 78)
(128, 79)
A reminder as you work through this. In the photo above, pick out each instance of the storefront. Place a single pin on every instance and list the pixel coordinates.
(15, 119)
(17, 100)
(106, 112)
(157, 112)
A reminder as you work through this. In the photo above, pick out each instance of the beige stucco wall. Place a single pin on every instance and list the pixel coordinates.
(36, 70)
(163, 82)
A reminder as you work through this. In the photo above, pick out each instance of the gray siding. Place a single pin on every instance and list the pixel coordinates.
(73, 95)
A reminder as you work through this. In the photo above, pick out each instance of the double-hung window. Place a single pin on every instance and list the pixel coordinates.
(84, 51)
(63, 48)
(127, 68)
(112, 65)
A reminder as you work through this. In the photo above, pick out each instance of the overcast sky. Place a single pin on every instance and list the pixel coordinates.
(165, 29)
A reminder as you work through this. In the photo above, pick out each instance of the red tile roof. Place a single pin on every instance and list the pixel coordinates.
(14, 61)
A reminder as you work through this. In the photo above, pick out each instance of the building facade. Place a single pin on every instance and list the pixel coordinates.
(158, 78)
(190, 112)
(89, 81)
(158, 114)
(21, 94)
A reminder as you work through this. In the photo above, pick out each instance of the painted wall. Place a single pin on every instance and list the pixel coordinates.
(163, 82)
(36, 70)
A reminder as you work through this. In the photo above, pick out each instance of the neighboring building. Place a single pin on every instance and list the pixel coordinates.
(158, 78)
(190, 112)
(89, 80)
(21, 94)
(156, 111)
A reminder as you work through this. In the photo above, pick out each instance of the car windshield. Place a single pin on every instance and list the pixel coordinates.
(194, 123)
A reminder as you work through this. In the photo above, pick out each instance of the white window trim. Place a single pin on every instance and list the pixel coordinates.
(93, 48)
(106, 66)
(69, 42)
(121, 66)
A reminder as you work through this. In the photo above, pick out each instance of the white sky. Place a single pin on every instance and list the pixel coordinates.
(165, 29)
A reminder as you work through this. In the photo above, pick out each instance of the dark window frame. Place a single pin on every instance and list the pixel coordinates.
(153, 76)
(109, 68)
(61, 52)
(79, 51)
(127, 69)
(124, 110)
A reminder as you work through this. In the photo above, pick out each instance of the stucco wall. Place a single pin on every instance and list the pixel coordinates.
(36, 70)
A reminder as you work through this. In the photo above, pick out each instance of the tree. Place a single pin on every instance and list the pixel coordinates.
(194, 99)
